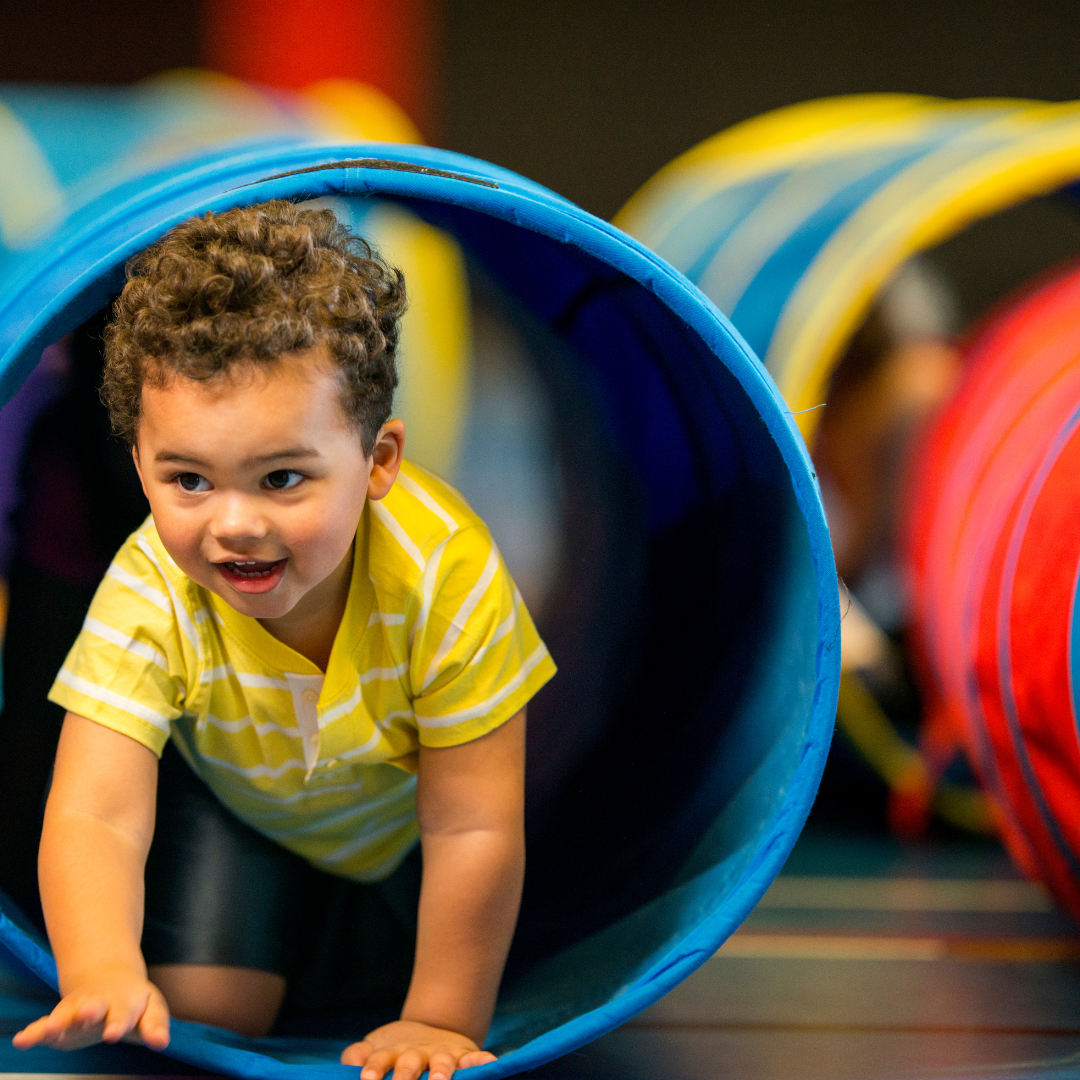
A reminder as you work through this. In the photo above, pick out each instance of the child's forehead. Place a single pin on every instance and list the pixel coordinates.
(258, 398)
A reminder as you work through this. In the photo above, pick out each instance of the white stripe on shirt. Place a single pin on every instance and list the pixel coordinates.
(378, 674)
(267, 726)
(109, 697)
(274, 800)
(484, 707)
(398, 714)
(255, 771)
(501, 631)
(223, 672)
(427, 593)
(368, 837)
(418, 493)
(345, 707)
(445, 483)
(179, 610)
(356, 751)
(147, 592)
(385, 619)
(128, 644)
(393, 526)
(328, 821)
(462, 616)
(259, 682)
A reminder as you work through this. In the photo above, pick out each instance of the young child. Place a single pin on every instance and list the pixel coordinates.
(330, 639)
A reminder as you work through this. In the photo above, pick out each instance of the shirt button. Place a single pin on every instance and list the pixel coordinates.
(310, 697)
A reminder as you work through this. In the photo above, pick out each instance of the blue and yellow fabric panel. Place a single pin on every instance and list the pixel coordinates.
(791, 222)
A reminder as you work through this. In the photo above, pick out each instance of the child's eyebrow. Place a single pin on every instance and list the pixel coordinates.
(290, 452)
(178, 459)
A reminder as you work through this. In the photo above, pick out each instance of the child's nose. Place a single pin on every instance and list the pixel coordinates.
(237, 519)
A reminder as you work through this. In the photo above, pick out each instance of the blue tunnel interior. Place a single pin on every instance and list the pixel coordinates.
(693, 617)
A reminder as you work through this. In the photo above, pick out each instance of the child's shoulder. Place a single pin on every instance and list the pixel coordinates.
(425, 509)
(143, 554)
(144, 595)
(415, 523)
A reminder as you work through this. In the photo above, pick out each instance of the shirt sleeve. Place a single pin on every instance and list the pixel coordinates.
(126, 669)
(476, 658)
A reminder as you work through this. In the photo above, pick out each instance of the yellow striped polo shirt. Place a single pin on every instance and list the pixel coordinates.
(435, 648)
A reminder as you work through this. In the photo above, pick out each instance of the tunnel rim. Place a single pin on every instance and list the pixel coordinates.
(212, 181)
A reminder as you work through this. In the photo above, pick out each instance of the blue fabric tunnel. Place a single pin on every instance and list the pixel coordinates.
(695, 621)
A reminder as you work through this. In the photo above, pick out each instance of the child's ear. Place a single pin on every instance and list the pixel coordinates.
(386, 458)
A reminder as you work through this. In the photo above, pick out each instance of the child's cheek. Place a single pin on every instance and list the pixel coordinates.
(187, 553)
(320, 536)
(182, 536)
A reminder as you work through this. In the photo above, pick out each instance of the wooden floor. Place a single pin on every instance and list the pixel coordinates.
(867, 959)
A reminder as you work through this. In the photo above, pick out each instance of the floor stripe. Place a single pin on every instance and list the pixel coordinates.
(822, 893)
(645, 1024)
(752, 945)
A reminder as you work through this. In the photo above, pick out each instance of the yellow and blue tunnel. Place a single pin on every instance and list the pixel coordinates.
(795, 224)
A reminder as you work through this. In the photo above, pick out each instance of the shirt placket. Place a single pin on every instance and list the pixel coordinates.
(305, 691)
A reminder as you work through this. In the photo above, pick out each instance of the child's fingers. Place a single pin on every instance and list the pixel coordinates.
(76, 1038)
(442, 1065)
(123, 1014)
(78, 1022)
(31, 1035)
(409, 1065)
(86, 1012)
(475, 1057)
(409, 1062)
(56, 1028)
(73, 1024)
(356, 1054)
(377, 1064)
(153, 1026)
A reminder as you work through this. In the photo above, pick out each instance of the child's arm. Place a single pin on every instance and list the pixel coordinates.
(99, 821)
(470, 803)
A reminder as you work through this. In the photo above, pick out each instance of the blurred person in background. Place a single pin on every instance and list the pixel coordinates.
(899, 369)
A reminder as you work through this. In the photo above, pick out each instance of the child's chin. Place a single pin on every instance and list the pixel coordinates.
(267, 605)
(258, 607)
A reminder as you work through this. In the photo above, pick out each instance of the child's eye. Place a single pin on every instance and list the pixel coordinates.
(193, 482)
(281, 479)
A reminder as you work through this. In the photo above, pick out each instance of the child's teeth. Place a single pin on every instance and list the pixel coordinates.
(251, 567)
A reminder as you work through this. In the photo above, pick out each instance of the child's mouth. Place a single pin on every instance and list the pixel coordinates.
(251, 576)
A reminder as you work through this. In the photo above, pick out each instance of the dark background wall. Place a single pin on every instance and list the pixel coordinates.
(95, 41)
(592, 96)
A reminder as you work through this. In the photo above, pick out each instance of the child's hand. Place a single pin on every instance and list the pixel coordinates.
(104, 1009)
(409, 1047)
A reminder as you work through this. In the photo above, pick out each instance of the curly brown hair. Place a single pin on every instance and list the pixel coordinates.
(250, 285)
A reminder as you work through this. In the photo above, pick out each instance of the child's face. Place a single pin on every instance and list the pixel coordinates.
(256, 479)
